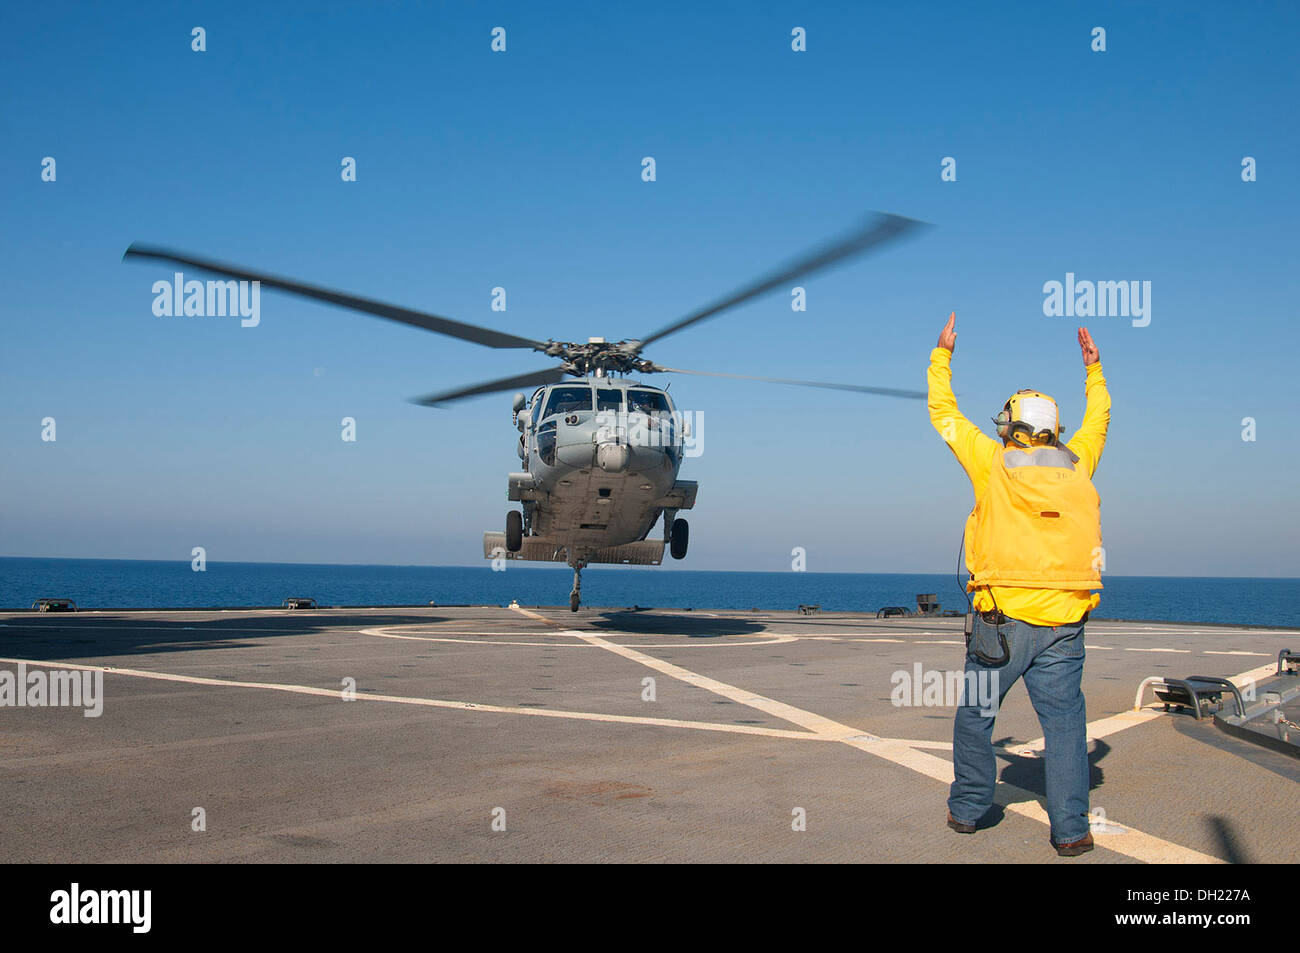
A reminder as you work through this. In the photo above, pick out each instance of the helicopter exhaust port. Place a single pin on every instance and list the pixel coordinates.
(612, 457)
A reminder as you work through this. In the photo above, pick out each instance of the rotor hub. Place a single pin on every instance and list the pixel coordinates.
(597, 355)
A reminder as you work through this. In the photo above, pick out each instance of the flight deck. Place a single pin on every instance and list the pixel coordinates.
(522, 734)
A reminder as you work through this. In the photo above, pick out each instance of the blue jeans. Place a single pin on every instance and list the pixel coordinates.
(1050, 659)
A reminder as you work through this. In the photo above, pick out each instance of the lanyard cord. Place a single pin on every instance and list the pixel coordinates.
(961, 545)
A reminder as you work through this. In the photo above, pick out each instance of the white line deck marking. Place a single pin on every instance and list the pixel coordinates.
(384, 632)
(335, 694)
(60, 626)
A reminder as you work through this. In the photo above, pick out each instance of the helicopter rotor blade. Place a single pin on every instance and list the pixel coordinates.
(419, 319)
(884, 228)
(551, 375)
(860, 388)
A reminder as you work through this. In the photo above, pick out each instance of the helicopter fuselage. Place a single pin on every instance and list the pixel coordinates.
(601, 457)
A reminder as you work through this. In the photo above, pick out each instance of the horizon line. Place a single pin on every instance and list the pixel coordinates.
(559, 567)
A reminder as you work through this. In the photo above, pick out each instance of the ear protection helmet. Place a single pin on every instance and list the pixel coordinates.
(1028, 418)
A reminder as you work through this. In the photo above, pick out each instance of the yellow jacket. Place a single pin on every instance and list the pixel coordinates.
(978, 453)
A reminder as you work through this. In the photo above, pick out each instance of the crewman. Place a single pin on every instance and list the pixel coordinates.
(1033, 552)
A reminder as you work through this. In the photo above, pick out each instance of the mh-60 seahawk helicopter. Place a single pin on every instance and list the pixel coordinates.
(601, 454)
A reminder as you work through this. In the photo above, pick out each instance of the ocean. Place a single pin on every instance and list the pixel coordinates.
(151, 584)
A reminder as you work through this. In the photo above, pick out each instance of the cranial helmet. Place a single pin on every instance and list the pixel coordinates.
(1029, 418)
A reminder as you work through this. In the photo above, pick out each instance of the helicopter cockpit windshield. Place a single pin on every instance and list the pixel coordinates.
(609, 400)
(649, 402)
(567, 400)
(651, 421)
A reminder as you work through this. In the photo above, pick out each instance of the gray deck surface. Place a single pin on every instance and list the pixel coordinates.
(461, 711)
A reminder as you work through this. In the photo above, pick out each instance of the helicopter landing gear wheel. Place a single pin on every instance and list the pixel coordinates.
(514, 531)
(575, 597)
(679, 539)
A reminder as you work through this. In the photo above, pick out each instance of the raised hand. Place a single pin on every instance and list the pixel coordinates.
(1086, 345)
(948, 336)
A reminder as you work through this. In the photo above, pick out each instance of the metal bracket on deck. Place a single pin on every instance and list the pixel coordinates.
(1190, 692)
(1264, 723)
(54, 605)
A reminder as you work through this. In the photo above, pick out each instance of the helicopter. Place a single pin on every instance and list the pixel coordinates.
(601, 452)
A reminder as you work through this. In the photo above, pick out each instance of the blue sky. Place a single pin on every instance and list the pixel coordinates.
(522, 169)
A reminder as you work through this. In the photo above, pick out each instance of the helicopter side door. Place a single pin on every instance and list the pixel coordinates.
(528, 434)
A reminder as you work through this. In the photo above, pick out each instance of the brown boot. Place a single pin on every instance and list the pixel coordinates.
(961, 827)
(1074, 848)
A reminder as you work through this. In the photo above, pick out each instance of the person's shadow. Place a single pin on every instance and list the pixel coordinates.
(1030, 774)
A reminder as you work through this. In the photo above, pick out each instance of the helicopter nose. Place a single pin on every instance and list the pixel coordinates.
(612, 457)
